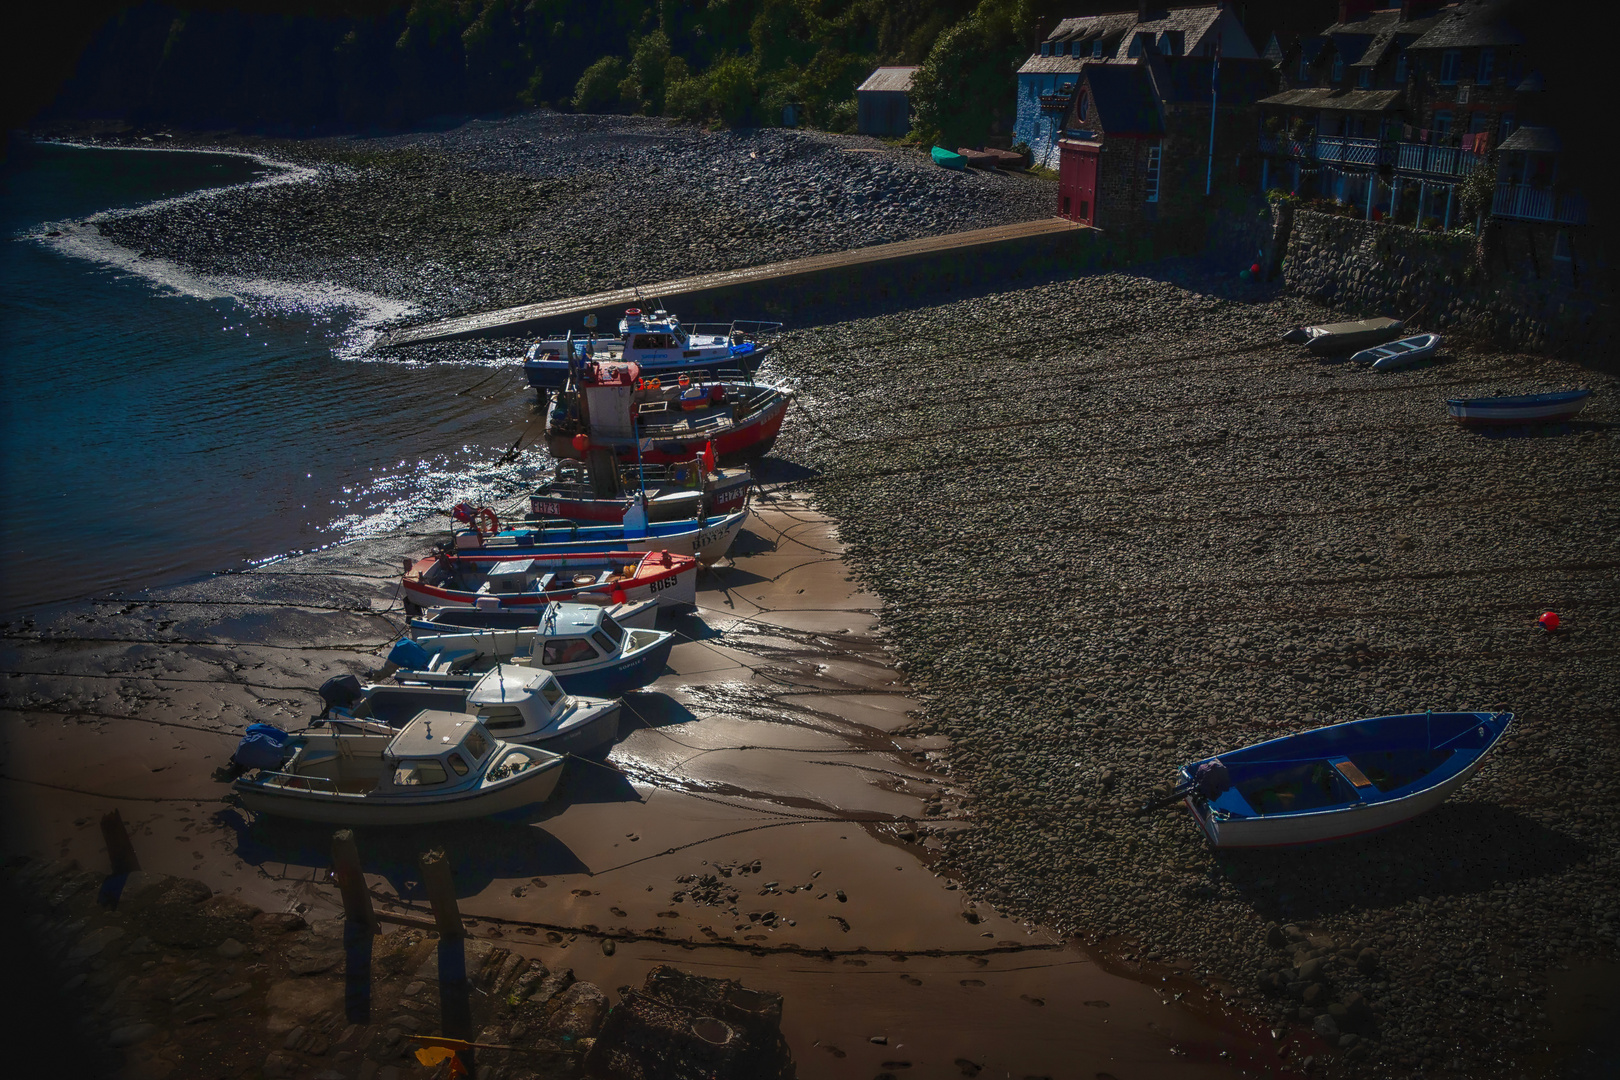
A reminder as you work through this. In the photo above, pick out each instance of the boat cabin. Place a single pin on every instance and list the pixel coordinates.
(437, 749)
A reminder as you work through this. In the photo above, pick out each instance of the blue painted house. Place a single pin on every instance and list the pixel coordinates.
(1047, 81)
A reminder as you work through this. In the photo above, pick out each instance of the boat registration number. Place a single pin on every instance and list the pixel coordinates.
(546, 509)
(704, 539)
(658, 585)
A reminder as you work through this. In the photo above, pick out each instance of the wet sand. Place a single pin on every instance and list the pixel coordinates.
(764, 816)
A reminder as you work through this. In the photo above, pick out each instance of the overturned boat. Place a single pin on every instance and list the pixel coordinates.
(1331, 338)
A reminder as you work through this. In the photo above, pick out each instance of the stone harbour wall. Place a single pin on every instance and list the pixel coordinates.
(1506, 285)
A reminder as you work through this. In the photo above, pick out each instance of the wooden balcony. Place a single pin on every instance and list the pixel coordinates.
(1524, 203)
(1440, 161)
(1056, 100)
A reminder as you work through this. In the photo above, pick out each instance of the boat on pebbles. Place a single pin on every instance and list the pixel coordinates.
(678, 491)
(1339, 781)
(1521, 409)
(1333, 338)
(1399, 354)
(442, 766)
(706, 538)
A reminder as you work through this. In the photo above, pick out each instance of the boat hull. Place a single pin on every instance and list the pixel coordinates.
(1348, 337)
(549, 372)
(1530, 409)
(608, 678)
(535, 785)
(750, 437)
(675, 587)
(708, 541)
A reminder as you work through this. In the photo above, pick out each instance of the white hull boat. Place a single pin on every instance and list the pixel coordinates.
(1399, 354)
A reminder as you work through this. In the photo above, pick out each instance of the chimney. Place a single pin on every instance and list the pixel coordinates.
(1349, 9)
(1148, 11)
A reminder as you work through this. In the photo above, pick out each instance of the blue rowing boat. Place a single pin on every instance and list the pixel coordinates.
(1339, 781)
(1522, 409)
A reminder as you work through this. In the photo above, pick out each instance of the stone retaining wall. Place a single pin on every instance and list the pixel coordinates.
(1504, 285)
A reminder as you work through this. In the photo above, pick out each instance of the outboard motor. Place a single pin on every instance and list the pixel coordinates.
(340, 691)
(1212, 780)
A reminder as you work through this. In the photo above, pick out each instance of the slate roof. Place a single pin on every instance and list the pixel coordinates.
(1469, 25)
(1327, 97)
(1185, 80)
(1053, 65)
(1540, 140)
(889, 78)
(1122, 94)
(1192, 22)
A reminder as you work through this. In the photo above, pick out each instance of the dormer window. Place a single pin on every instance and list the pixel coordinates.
(1170, 43)
(1487, 64)
(1338, 68)
(1364, 78)
(1097, 49)
(1450, 64)
(1136, 45)
(1304, 70)
(1046, 48)
(1400, 67)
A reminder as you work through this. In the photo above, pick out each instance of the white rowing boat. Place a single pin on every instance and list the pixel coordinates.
(1399, 354)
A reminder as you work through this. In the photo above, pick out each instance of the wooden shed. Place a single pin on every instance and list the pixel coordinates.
(883, 102)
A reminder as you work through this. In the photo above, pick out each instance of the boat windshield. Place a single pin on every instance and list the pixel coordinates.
(602, 642)
(458, 764)
(552, 692)
(612, 629)
(476, 744)
(566, 651)
(419, 772)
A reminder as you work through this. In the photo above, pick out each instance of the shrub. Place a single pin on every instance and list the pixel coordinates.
(598, 90)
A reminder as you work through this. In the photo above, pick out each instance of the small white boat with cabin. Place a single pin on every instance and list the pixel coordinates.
(441, 767)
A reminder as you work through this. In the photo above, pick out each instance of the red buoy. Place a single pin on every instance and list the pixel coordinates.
(618, 596)
(1549, 621)
(582, 443)
(1255, 269)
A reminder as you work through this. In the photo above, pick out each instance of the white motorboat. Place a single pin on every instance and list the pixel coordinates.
(441, 767)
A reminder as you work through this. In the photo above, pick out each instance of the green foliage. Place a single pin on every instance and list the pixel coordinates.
(598, 89)
(1478, 190)
(966, 89)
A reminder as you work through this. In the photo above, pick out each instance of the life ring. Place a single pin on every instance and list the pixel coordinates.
(485, 521)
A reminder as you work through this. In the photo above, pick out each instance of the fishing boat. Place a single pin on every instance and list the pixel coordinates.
(547, 716)
(947, 159)
(673, 492)
(441, 766)
(706, 538)
(1399, 354)
(1524, 409)
(641, 615)
(583, 646)
(1338, 781)
(494, 580)
(653, 421)
(1344, 337)
(659, 345)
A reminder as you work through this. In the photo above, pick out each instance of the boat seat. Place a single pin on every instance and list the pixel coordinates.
(1358, 779)
(445, 662)
(543, 582)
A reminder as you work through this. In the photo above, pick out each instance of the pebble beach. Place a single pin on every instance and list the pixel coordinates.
(1113, 525)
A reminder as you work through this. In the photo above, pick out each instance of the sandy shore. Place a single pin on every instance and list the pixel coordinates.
(764, 816)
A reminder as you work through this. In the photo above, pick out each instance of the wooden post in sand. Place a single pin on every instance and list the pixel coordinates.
(351, 879)
(119, 850)
(441, 893)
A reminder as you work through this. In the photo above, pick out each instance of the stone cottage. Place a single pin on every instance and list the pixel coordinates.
(1048, 79)
(1134, 147)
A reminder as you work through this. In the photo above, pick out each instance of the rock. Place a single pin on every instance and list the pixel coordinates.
(1314, 995)
(279, 1066)
(1367, 961)
(1275, 937)
(1326, 1027)
(93, 942)
(230, 948)
(1311, 970)
(235, 990)
(879, 1040)
(578, 1012)
(129, 1034)
(230, 907)
(278, 922)
(608, 947)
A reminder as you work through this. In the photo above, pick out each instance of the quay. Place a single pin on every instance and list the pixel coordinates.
(776, 289)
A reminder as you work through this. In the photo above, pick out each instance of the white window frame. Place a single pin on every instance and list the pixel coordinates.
(1155, 167)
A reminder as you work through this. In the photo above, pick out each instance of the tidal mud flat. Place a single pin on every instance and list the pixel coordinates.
(764, 817)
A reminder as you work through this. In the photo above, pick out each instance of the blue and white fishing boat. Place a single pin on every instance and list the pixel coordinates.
(707, 538)
(1522, 409)
(585, 647)
(641, 615)
(1398, 354)
(1339, 781)
(659, 344)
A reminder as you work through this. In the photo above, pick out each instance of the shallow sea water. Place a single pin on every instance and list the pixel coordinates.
(158, 425)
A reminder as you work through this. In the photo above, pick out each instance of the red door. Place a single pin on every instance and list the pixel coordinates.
(1077, 182)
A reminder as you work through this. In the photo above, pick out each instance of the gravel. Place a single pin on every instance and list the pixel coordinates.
(1117, 527)
(545, 205)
